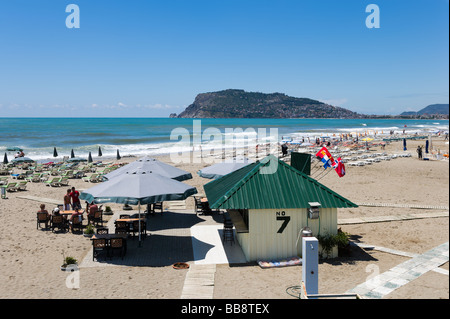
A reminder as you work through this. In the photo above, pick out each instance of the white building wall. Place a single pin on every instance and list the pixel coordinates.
(265, 242)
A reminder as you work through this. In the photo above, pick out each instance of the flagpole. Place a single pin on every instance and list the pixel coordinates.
(324, 175)
(140, 245)
(320, 175)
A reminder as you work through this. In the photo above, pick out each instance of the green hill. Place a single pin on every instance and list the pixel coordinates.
(241, 104)
(433, 109)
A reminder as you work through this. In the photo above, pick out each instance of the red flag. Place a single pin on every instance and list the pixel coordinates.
(326, 157)
(340, 167)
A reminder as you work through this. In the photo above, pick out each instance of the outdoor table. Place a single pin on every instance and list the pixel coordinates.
(67, 213)
(129, 220)
(108, 236)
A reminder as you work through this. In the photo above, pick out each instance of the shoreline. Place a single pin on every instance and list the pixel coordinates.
(141, 139)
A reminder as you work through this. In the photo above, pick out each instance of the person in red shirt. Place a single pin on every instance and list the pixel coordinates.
(75, 195)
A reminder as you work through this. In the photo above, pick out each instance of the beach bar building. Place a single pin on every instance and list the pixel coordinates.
(270, 204)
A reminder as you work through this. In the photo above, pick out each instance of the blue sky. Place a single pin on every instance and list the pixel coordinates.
(151, 58)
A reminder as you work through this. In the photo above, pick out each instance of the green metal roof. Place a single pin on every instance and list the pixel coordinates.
(250, 188)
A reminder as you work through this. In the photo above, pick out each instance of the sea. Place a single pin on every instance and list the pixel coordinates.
(158, 136)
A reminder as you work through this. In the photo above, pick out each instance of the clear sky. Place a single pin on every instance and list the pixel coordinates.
(151, 58)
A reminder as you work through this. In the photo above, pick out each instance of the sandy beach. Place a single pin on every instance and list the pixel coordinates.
(30, 258)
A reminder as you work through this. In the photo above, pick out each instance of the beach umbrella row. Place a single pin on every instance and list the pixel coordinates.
(73, 158)
(72, 154)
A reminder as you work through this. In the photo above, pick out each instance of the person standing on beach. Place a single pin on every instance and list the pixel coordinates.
(67, 199)
(75, 195)
(419, 151)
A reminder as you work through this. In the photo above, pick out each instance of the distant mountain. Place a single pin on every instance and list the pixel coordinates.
(433, 109)
(241, 104)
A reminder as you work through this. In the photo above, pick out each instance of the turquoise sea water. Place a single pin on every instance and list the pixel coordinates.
(152, 136)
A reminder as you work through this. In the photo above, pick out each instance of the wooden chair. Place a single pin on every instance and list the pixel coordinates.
(157, 206)
(198, 205)
(42, 218)
(135, 228)
(121, 231)
(228, 233)
(206, 210)
(58, 222)
(76, 223)
(98, 218)
(98, 247)
(102, 230)
(121, 227)
(117, 244)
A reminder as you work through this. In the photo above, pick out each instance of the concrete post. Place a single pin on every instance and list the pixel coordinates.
(310, 264)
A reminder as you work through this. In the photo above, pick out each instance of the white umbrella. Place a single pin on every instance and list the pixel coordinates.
(149, 164)
(136, 188)
(221, 169)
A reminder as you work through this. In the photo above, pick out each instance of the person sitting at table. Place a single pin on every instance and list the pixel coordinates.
(43, 210)
(93, 208)
(56, 212)
(75, 214)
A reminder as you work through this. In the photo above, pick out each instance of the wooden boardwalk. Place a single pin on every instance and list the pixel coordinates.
(199, 282)
(380, 219)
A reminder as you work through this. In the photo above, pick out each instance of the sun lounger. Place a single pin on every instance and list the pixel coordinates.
(64, 181)
(10, 187)
(359, 163)
(94, 178)
(406, 155)
(22, 186)
(19, 176)
(67, 174)
(54, 182)
(3, 180)
(35, 178)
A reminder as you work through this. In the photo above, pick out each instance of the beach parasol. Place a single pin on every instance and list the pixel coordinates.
(72, 154)
(221, 169)
(5, 159)
(426, 146)
(306, 144)
(14, 149)
(22, 160)
(136, 188)
(118, 155)
(149, 164)
(55, 153)
(100, 154)
(90, 158)
(404, 144)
